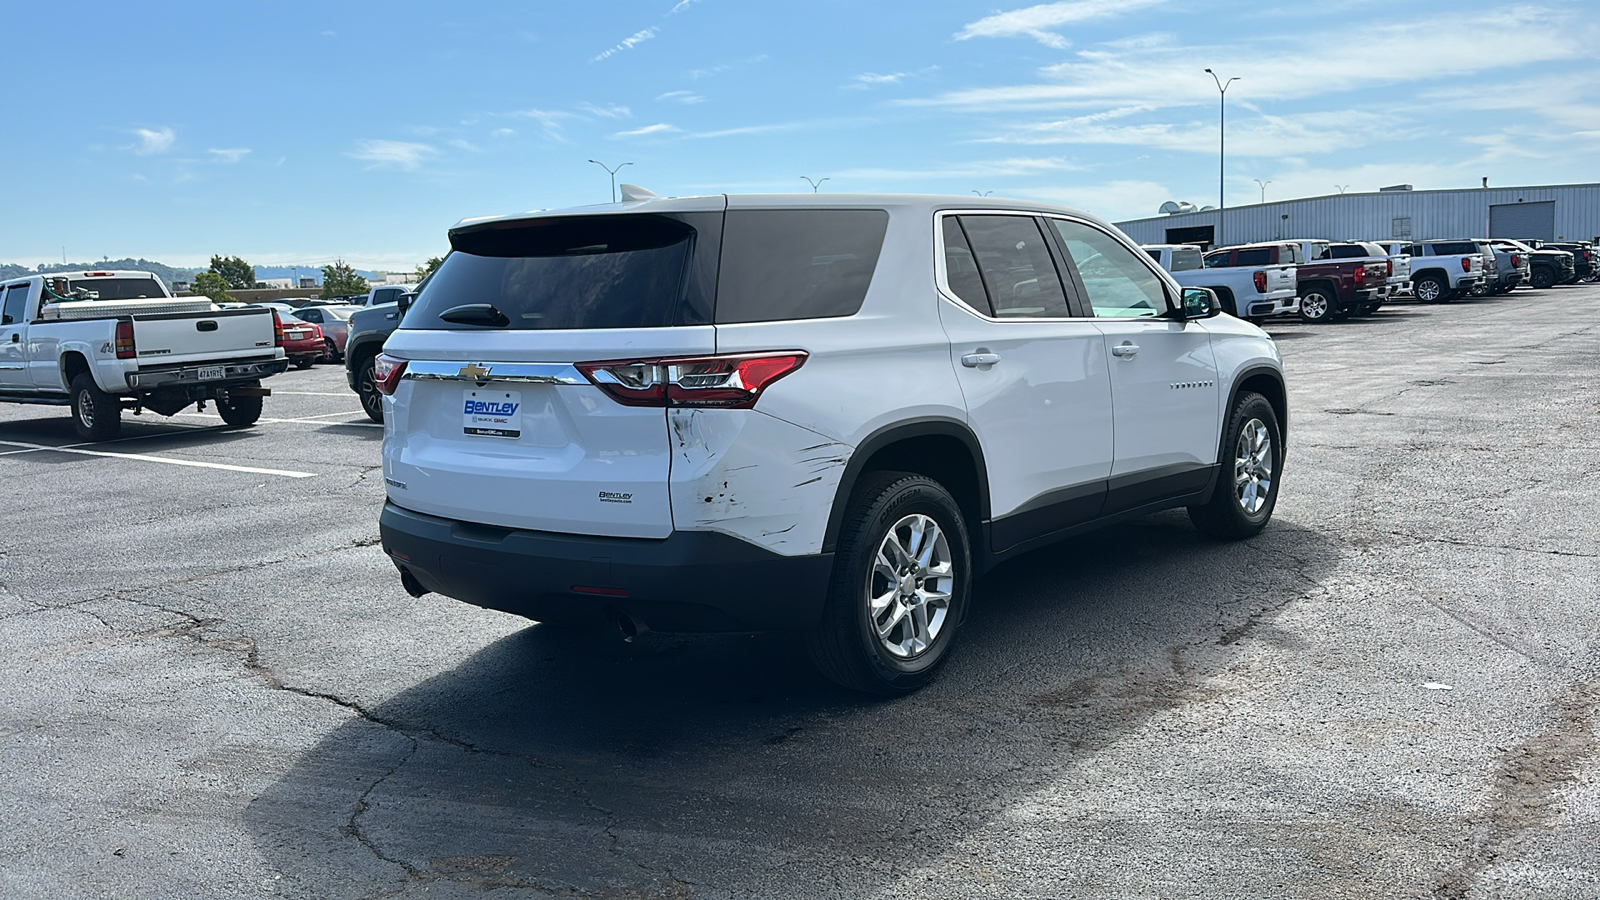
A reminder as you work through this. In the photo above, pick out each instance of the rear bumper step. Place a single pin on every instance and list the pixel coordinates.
(692, 581)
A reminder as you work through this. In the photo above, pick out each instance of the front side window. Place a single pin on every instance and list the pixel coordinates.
(1118, 284)
(1018, 273)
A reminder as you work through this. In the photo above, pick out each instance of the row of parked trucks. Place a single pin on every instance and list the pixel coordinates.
(1322, 280)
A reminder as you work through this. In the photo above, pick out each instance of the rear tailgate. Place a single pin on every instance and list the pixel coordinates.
(203, 337)
(1281, 282)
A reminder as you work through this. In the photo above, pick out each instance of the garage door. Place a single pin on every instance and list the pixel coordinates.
(1523, 220)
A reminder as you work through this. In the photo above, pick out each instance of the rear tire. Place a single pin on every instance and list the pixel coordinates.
(1317, 306)
(239, 411)
(1430, 289)
(96, 415)
(303, 362)
(1543, 278)
(1252, 466)
(367, 390)
(901, 579)
(330, 350)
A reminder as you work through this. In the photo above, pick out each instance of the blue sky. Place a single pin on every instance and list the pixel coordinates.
(293, 133)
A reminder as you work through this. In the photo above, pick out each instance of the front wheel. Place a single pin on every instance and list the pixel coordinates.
(367, 390)
(1543, 278)
(96, 415)
(1316, 306)
(901, 579)
(239, 411)
(1247, 490)
(330, 350)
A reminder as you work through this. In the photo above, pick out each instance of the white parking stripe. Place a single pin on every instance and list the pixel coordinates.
(144, 457)
(276, 392)
(35, 448)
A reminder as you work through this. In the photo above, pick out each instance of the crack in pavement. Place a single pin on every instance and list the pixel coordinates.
(1459, 543)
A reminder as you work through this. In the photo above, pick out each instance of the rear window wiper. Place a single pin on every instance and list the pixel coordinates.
(475, 314)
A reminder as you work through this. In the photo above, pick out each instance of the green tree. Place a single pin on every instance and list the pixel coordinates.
(339, 280)
(212, 285)
(238, 274)
(427, 268)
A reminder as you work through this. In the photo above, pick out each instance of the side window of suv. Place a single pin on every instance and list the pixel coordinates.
(961, 268)
(1016, 267)
(1117, 283)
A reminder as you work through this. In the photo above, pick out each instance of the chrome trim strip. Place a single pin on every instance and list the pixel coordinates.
(516, 373)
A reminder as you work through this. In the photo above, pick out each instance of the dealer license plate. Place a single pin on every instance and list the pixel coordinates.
(211, 373)
(492, 413)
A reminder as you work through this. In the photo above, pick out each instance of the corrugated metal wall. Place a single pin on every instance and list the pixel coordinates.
(1431, 214)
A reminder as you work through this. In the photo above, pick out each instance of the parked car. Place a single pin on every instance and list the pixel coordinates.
(1442, 271)
(1248, 289)
(1583, 259)
(335, 324)
(1328, 288)
(1397, 267)
(379, 296)
(677, 399)
(1547, 267)
(1511, 266)
(104, 342)
(369, 328)
(302, 341)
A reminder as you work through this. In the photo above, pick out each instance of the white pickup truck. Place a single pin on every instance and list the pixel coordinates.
(1253, 289)
(102, 342)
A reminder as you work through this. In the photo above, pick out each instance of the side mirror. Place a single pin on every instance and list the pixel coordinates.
(403, 303)
(1199, 303)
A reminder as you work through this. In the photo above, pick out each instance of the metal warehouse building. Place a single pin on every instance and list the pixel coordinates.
(1546, 212)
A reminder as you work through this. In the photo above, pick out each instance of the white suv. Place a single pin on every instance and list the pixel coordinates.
(825, 414)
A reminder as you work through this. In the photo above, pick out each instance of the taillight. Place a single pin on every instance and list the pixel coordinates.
(1361, 274)
(1516, 260)
(386, 372)
(125, 347)
(1466, 264)
(1261, 282)
(1388, 271)
(277, 329)
(733, 381)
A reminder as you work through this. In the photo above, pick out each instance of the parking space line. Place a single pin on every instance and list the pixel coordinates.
(145, 457)
(308, 419)
(276, 392)
(35, 448)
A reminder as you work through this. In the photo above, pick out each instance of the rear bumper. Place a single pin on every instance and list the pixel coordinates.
(189, 375)
(692, 581)
(1274, 306)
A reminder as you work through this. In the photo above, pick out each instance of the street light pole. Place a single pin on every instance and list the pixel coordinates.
(613, 173)
(1222, 149)
(1263, 188)
(814, 184)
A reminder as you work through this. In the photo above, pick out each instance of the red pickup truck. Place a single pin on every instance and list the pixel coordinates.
(1329, 288)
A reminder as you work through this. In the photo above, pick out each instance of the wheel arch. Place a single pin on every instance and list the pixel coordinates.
(74, 363)
(945, 450)
(1268, 382)
(1230, 303)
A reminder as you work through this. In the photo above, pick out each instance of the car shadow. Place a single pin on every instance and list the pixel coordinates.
(558, 760)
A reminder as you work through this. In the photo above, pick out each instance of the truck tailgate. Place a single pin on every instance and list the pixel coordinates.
(204, 336)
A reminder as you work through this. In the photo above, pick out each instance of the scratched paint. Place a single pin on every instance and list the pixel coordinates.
(749, 475)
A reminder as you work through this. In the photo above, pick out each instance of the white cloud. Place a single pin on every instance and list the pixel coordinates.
(658, 128)
(403, 155)
(988, 168)
(229, 154)
(606, 112)
(152, 141)
(680, 6)
(502, 132)
(1112, 201)
(1258, 135)
(1036, 21)
(718, 69)
(629, 42)
(684, 97)
(551, 121)
(468, 146)
(875, 78)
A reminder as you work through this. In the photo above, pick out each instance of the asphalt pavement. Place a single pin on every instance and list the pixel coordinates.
(212, 684)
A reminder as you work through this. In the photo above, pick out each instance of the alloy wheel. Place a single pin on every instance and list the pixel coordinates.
(86, 409)
(909, 589)
(1429, 291)
(1252, 467)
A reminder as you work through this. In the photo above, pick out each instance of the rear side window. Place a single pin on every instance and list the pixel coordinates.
(1256, 256)
(797, 263)
(563, 273)
(1454, 248)
(961, 268)
(1017, 270)
(1219, 260)
(15, 303)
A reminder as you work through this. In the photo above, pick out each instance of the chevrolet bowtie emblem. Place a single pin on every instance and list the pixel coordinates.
(474, 372)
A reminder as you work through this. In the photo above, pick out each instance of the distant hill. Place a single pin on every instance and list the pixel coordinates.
(166, 273)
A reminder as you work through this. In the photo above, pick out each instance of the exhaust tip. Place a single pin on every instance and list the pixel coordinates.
(411, 584)
(627, 626)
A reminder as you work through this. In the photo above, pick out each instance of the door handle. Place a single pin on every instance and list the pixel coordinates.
(1125, 350)
(16, 337)
(974, 360)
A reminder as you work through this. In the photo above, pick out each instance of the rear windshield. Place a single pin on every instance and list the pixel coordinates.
(1258, 256)
(1351, 251)
(1185, 260)
(797, 263)
(115, 288)
(1454, 248)
(580, 272)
